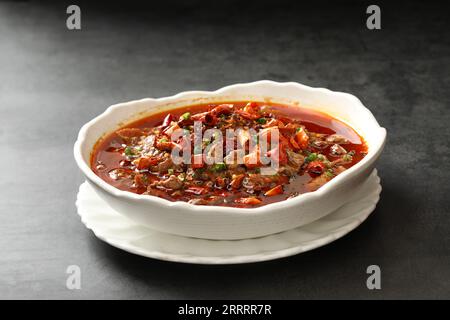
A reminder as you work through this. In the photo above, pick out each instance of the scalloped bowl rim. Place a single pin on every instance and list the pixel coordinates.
(154, 200)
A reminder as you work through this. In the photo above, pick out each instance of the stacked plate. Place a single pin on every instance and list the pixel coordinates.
(121, 232)
(129, 221)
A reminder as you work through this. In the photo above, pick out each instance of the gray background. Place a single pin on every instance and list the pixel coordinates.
(53, 80)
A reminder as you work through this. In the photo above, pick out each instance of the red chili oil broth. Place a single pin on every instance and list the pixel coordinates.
(109, 152)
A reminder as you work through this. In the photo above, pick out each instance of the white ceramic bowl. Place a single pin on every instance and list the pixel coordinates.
(214, 222)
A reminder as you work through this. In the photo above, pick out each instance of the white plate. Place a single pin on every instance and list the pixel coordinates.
(117, 230)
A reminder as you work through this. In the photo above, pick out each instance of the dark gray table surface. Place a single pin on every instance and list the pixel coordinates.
(53, 80)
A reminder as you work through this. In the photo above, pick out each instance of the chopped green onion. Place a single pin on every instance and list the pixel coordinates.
(170, 171)
(163, 140)
(312, 156)
(198, 173)
(129, 151)
(261, 121)
(181, 176)
(185, 116)
(218, 167)
(329, 173)
(347, 157)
